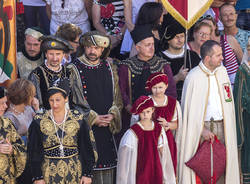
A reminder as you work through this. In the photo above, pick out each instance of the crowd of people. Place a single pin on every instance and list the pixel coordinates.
(117, 92)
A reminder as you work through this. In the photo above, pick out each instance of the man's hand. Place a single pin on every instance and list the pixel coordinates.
(108, 118)
(6, 147)
(104, 120)
(85, 180)
(207, 135)
(182, 73)
(128, 108)
(35, 104)
(39, 182)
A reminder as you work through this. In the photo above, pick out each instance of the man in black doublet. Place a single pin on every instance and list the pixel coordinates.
(95, 81)
(51, 70)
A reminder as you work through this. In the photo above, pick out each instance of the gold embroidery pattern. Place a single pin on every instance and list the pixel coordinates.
(3, 163)
(11, 166)
(51, 140)
(47, 127)
(52, 169)
(91, 134)
(45, 168)
(69, 141)
(65, 170)
(62, 168)
(72, 127)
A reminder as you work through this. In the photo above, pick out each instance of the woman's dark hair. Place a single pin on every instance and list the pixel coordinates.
(54, 91)
(150, 13)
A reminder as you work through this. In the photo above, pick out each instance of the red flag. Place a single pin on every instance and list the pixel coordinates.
(187, 12)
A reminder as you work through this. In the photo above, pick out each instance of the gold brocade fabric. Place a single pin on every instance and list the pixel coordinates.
(11, 166)
(61, 169)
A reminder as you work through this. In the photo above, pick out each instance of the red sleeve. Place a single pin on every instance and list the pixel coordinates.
(171, 91)
(124, 84)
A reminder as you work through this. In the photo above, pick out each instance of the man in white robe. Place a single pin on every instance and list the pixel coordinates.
(207, 98)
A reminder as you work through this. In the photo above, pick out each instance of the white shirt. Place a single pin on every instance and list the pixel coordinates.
(74, 12)
(214, 108)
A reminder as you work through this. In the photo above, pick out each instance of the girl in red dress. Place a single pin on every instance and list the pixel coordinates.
(144, 156)
(167, 110)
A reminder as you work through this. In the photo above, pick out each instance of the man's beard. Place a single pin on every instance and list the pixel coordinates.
(92, 59)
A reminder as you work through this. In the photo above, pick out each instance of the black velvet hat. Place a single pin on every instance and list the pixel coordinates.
(60, 85)
(170, 28)
(2, 93)
(56, 43)
(141, 32)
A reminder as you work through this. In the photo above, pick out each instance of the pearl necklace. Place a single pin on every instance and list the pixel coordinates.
(63, 122)
(14, 109)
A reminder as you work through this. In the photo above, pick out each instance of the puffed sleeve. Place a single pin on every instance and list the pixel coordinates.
(19, 151)
(87, 152)
(127, 159)
(35, 150)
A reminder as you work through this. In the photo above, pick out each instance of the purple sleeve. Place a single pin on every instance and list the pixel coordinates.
(171, 91)
(124, 85)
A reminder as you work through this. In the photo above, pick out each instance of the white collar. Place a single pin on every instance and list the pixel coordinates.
(164, 103)
(53, 70)
(139, 123)
(173, 56)
(207, 70)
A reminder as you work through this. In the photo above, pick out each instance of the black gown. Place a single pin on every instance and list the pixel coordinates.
(44, 151)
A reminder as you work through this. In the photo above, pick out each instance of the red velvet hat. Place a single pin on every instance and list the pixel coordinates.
(142, 103)
(156, 78)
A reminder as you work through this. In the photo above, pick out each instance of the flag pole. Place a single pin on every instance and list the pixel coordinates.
(185, 48)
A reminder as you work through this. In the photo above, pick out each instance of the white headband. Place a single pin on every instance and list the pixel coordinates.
(33, 33)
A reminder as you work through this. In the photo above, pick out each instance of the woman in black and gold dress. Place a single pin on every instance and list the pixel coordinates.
(12, 150)
(60, 142)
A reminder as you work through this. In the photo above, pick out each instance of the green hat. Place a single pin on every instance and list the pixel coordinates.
(56, 43)
(96, 38)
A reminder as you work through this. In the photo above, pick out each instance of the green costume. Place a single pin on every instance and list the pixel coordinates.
(242, 109)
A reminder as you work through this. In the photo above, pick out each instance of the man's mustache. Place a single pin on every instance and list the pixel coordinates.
(92, 55)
